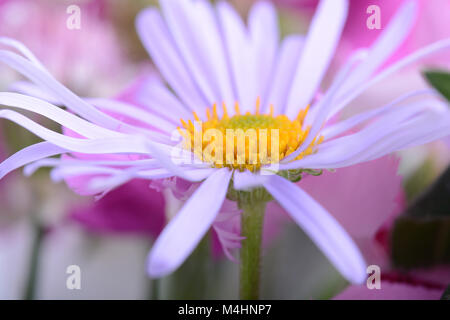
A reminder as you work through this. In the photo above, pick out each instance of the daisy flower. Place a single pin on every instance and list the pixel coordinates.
(222, 74)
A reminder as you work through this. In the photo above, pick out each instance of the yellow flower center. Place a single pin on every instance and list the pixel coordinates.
(246, 141)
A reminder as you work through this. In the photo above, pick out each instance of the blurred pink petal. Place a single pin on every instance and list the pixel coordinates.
(133, 207)
(226, 231)
(227, 228)
(432, 24)
(274, 221)
(33, 21)
(356, 29)
(360, 197)
(438, 275)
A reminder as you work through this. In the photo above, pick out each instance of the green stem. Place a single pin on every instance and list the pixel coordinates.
(251, 228)
(30, 289)
(154, 295)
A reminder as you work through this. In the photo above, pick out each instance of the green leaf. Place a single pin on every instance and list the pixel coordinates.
(434, 202)
(440, 80)
(421, 236)
(420, 180)
(446, 294)
(420, 242)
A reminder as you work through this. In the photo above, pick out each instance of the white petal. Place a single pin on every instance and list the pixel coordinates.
(159, 43)
(401, 127)
(320, 44)
(323, 229)
(29, 154)
(247, 180)
(239, 51)
(264, 34)
(180, 237)
(287, 60)
(49, 84)
(195, 32)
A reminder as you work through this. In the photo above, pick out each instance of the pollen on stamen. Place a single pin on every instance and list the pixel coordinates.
(195, 116)
(247, 141)
(258, 105)
(224, 109)
(236, 108)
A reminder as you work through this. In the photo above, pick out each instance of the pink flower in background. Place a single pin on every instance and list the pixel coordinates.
(431, 24)
(72, 55)
(131, 208)
(362, 197)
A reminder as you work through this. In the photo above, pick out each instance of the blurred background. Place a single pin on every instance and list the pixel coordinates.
(45, 227)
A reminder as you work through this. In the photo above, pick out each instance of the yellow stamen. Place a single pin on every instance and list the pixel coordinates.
(258, 105)
(249, 141)
(215, 111)
(225, 112)
(196, 116)
(236, 108)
